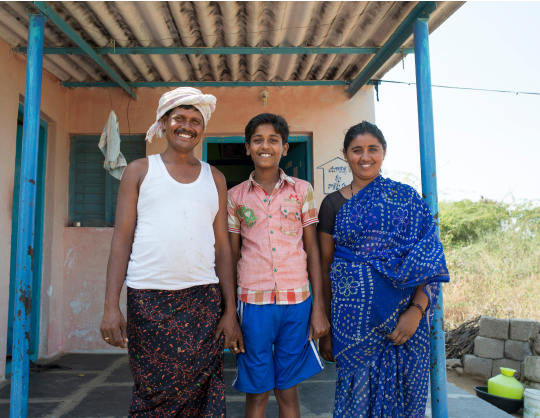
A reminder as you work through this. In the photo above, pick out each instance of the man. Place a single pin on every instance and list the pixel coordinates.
(171, 246)
(275, 215)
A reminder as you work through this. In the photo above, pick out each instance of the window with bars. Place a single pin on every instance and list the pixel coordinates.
(92, 190)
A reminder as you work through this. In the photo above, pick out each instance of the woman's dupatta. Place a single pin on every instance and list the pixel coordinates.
(386, 245)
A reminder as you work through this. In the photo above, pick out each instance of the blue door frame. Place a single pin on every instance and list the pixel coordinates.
(240, 140)
(38, 234)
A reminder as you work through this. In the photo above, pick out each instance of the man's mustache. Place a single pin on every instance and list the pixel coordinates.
(184, 131)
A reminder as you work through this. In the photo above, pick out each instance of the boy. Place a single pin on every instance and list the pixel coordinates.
(272, 212)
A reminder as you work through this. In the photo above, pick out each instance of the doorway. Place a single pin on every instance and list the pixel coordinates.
(228, 154)
(38, 238)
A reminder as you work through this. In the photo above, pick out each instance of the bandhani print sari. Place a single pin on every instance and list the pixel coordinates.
(386, 245)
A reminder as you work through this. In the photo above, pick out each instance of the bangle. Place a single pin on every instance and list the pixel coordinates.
(419, 307)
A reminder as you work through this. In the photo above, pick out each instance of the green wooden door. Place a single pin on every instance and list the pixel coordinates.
(295, 162)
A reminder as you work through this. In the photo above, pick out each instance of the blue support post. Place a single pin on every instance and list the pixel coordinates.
(27, 214)
(439, 405)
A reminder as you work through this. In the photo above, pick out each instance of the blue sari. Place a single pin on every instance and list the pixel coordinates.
(386, 245)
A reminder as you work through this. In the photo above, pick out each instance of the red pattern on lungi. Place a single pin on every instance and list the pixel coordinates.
(176, 365)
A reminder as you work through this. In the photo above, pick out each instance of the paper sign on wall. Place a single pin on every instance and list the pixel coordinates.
(336, 174)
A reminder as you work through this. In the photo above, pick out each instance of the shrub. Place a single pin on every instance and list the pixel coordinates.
(493, 271)
(463, 222)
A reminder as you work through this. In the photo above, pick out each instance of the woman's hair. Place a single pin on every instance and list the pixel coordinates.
(278, 122)
(363, 128)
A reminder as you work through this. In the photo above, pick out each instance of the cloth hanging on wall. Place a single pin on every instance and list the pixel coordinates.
(109, 144)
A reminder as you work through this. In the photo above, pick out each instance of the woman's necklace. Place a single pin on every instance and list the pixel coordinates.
(352, 193)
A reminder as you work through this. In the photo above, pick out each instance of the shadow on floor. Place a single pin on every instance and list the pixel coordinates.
(100, 385)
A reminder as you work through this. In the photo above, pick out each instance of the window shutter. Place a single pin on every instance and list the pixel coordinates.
(93, 192)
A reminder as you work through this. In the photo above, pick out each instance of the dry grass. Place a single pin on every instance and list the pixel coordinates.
(497, 275)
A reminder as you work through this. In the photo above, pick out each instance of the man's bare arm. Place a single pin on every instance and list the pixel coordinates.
(228, 324)
(113, 325)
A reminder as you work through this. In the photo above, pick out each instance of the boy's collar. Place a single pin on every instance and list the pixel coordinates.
(282, 176)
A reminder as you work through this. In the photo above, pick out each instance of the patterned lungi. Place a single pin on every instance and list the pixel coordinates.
(176, 365)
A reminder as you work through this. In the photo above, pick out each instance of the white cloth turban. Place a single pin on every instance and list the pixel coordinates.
(205, 103)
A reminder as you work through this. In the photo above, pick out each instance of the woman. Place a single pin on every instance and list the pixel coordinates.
(382, 264)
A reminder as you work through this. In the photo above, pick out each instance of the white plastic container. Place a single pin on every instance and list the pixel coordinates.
(531, 404)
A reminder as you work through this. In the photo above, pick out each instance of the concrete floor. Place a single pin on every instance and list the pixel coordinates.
(99, 385)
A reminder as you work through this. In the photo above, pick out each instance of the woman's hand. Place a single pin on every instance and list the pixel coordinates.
(325, 347)
(406, 326)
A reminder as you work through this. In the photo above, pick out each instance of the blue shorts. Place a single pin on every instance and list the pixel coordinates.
(278, 353)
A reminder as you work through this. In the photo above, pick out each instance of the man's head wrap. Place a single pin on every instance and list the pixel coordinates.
(204, 103)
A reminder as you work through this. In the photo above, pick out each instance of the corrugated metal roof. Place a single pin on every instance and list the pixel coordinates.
(217, 24)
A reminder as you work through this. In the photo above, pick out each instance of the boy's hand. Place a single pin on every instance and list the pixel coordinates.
(232, 333)
(325, 348)
(318, 324)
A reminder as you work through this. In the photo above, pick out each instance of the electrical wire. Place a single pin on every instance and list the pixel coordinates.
(461, 88)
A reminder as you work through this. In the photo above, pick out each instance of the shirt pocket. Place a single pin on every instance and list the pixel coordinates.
(291, 219)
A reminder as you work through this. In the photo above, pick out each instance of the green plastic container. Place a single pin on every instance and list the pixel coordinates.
(505, 385)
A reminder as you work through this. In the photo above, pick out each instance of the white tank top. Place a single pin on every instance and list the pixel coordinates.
(174, 239)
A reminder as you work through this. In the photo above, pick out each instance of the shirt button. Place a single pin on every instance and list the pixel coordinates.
(275, 269)
(264, 200)
(271, 232)
(273, 249)
(269, 216)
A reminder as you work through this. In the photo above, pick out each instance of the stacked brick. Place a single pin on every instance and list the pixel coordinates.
(513, 343)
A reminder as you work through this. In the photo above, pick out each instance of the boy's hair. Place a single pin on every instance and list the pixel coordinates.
(278, 122)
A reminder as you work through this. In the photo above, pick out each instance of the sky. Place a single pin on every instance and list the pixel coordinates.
(487, 144)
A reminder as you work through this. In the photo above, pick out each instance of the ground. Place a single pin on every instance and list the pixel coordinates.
(467, 383)
(99, 386)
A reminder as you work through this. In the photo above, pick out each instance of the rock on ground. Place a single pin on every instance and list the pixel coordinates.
(504, 362)
(532, 369)
(477, 366)
(488, 348)
(517, 350)
(523, 329)
(494, 327)
(453, 362)
(536, 345)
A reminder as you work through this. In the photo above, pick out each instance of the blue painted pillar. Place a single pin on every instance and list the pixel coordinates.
(439, 406)
(27, 215)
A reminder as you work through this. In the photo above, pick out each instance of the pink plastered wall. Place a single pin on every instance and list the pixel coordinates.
(85, 268)
(54, 110)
